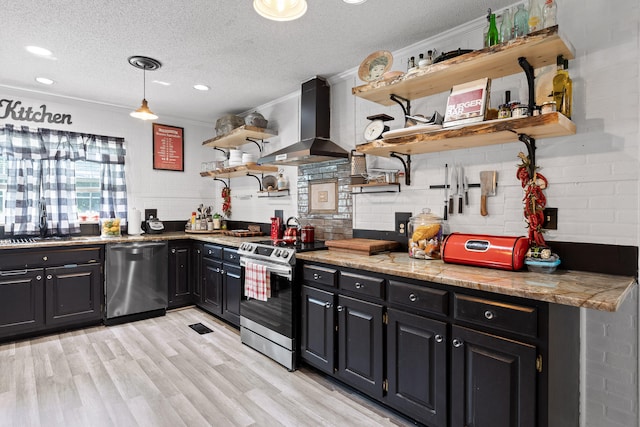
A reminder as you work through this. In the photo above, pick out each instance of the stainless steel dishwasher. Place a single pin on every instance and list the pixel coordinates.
(136, 281)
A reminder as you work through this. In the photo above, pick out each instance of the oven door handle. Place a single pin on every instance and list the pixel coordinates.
(284, 271)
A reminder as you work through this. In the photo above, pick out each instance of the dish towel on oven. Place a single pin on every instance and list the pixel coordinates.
(257, 281)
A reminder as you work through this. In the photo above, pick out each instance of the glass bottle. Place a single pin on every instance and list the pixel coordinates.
(411, 63)
(485, 32)
(505, 26)
(549, 13)
(521, 21)
(535, 17)
(568, 91)
(559, 83)
(493, 36)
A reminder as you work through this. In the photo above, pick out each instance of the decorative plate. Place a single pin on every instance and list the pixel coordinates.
(411, 130)
(375, 65)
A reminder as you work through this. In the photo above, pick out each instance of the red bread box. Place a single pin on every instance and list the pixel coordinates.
(503, 252)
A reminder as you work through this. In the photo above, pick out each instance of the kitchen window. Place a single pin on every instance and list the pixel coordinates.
(66, 176)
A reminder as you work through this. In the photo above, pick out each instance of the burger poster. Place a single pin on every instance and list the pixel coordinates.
(467, 103)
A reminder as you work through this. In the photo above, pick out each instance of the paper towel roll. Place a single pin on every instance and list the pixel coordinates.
(134, 219)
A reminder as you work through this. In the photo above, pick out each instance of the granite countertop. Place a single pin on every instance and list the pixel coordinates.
(574, 288)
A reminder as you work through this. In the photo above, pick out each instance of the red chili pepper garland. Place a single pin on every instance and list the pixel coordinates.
(534, 200)
(226, 201)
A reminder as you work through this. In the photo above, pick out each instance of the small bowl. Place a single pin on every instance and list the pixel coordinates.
(537, 265)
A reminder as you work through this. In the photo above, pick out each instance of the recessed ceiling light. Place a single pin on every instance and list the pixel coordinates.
(354, 1)
(44, 80)
(280, 10)
(40, 51)
(201, 87)
(159, 82)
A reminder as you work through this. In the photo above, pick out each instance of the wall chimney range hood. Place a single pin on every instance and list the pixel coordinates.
(315, 145)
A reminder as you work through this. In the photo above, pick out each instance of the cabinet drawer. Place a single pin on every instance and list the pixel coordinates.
(49, 257)
(420, 298)
(230, 255)
(211, 251)
(319, 275)
(495, 314)
(364, 285)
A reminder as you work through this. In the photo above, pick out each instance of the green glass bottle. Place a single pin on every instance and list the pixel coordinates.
(493, 36)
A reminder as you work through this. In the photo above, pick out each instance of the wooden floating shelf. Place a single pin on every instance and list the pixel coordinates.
(491, 132)
(237, 171)
(238, 137)
(540, 49)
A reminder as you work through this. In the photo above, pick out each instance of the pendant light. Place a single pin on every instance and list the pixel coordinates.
(280, 10)
(145, 63)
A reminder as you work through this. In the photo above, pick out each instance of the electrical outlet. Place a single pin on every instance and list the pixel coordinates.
(402, 221)
(150, 213)
(550, 219)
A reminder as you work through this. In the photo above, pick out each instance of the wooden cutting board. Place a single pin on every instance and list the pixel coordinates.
(361, 246)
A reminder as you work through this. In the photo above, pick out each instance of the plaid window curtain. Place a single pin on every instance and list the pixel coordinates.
(45, 158)
(110, 152)
(23, 151)
(59, 180)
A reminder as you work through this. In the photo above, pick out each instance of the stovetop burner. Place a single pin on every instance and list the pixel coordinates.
(316, 245)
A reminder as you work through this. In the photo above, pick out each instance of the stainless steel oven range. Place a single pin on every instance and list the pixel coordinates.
(269, 326)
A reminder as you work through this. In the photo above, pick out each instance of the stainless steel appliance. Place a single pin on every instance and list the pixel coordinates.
(315, 145)
(136, 285)
(268, 326)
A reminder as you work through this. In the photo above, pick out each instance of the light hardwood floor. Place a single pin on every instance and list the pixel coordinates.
(159, 372)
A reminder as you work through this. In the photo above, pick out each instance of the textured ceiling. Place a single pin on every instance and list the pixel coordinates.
(245, 59)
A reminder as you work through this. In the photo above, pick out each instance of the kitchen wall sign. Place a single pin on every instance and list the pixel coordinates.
(168, 147)
(10, 109)
(323, 196)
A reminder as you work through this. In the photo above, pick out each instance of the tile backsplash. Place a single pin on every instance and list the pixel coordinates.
(336, 224)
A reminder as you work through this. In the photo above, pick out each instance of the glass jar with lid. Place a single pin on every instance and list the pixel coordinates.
(425, 235)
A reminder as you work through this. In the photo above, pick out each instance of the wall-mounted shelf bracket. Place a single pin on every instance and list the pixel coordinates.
(259, 142)
(406, 165)
(222, 181)
(258, 179)
(406, 110)
(531, 151)
(226, 152)
(529, 72)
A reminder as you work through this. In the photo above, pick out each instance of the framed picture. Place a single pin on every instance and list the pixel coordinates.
(323, 196)
(467, 103)
(168, 147)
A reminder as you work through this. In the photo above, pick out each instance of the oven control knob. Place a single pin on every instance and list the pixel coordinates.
(276, 252)
(286, 254)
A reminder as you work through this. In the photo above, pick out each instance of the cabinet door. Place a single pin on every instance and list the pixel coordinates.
(232, 293)
(196, 273)
(179, 275)
(318, 328)
(21, 301)
(212, 286)
(493, 380)
(73, 294)
(360, 345)
(417, 367)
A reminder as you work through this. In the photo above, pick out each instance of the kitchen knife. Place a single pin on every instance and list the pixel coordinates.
(487, 188)
(466, 191)
(454, 184)
(446, 189)
(460, 170)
